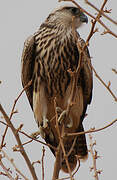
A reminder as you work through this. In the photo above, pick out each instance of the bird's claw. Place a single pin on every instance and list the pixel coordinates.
(62, 116)
(45, 122)
(70, 124)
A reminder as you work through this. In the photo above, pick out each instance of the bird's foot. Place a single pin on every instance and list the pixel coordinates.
(62, 116)
(70, 124)
(59, 110)
(42, 133)
(45, 122)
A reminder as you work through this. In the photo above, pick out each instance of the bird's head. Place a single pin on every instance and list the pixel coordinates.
(64, 15)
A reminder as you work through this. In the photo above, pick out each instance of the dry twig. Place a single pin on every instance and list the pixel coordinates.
(94, 157)
(30, 137)
(43, 154)
(61, 141)
(106, 86)
(13, 110)
(73, 173)
(22, 151)
(102, 13)
(7, 173)
(92, 130)
(13, 164)
(57, 164)
(114, 70)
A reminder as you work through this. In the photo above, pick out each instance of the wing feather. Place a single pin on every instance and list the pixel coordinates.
(28, 57)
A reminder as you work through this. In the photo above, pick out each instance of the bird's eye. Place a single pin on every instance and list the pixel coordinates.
(74, 10)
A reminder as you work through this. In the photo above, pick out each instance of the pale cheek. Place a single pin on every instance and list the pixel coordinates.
(78, 23)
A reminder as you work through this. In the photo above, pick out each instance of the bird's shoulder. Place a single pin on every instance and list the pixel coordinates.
(27, 65)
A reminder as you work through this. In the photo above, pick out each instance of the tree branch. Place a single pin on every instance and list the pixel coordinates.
(102, 13)
(13, 164)
(22, 151)
(91, 130)
(6, 170)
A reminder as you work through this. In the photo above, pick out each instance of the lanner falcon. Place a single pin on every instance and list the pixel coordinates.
(49, 56)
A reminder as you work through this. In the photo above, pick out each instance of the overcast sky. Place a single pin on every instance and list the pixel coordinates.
(20, 19)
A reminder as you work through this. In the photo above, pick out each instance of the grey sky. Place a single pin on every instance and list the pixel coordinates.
(20, 19)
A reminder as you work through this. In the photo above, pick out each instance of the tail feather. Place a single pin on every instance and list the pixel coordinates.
(81, 145)
(79, 151)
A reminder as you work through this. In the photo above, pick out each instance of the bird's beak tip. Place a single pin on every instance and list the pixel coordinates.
(84, 18)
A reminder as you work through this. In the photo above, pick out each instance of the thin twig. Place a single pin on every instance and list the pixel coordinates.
(32, 138)
(43, 154)
(6, 170)
(60, 135)
(36, 162)
(13, 108)
(114, 70)
(106, 86)
(12, 111)
(91, 130)
(22, 151)
(57, 164)
(73, 173)
(13, 164)
(102, 13)
(94, 157)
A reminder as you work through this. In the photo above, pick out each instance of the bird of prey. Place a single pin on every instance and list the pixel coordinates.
(49, 56)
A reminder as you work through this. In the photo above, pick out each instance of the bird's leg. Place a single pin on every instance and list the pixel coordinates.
(44, 129)
(62, 116)
(41, 129)
(70, 124)
(45, 122)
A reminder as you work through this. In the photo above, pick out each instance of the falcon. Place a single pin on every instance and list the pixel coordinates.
(49, 56)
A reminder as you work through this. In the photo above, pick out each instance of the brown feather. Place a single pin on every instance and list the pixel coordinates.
(47, 57)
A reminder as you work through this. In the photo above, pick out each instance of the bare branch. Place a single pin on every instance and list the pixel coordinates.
(92, 130)
(106, 86)
(22, 151)
(32, 138)
(13, 164)
(94, 157)
(6, 170)
(57, 164)
(114, 70)
(60, 135)
(13, 110)
(43, 154)
(73, 173)
(102, 13)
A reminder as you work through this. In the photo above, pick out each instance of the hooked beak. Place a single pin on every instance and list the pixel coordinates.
(83, 18)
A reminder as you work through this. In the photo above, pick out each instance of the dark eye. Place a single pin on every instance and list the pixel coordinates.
(75, 10)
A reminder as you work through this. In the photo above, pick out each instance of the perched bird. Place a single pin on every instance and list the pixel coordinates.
(49, 56)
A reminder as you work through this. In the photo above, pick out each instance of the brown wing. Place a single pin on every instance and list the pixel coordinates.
(86, 78)
(28, 57)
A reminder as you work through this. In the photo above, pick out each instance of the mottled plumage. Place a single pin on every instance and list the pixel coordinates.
(46, 59)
